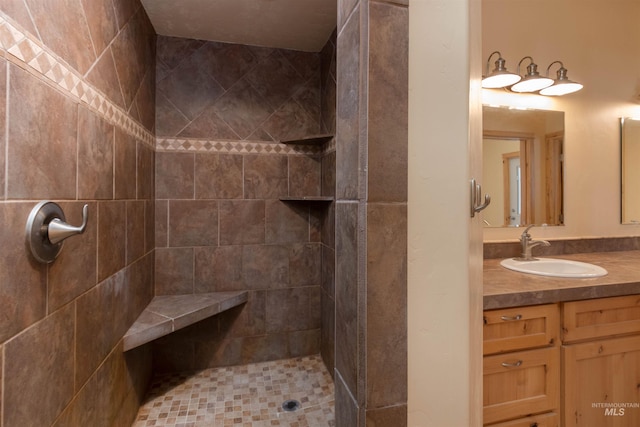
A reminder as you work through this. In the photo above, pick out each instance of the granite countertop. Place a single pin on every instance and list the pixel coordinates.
(505, 288)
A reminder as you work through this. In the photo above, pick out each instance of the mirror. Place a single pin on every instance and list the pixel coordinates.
(630, 173)
(523, 155)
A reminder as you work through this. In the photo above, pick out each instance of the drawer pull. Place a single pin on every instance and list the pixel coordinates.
(511, 318)
(512, 365)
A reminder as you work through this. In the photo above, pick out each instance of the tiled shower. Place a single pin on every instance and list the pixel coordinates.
(173, 145)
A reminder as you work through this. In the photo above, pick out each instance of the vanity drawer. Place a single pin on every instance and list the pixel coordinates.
(520, 328)
(520, 383)
(601, 317)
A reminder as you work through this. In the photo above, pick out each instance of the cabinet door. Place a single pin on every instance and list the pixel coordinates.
(601, 317)
(520, 328)
(550, 419)
(521, 383)
(601, 383)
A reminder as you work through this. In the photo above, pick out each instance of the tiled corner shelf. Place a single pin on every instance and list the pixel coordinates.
(310, 140)
(168, 313)
(307, 199)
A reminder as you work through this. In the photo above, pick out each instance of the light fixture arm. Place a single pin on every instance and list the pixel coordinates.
(530, 64)
(562, 72)
(499, 63)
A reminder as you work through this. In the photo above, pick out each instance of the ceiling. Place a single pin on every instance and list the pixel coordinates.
(287, 24)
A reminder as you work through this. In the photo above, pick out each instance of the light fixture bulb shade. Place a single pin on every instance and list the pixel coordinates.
(496, 81)
(562, 85)
(500, 77)
(561, 88)
(532, 84)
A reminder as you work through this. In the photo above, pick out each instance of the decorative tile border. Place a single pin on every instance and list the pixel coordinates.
(234, 147)
(24, 50)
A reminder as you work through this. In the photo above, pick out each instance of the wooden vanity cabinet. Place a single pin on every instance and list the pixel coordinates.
(521, 366)
(601, 362)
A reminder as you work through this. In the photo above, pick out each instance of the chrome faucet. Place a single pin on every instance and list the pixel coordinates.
(528, 244)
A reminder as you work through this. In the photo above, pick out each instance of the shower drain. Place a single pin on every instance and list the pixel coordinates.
(291, 405)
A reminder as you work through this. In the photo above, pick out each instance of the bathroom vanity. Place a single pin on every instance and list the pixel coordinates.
(563, 352)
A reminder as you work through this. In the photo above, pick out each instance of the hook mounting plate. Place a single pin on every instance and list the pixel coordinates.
(37, 224)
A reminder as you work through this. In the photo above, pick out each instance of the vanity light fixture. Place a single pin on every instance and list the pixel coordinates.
(532, 81)
(500, 77)
(562, 85)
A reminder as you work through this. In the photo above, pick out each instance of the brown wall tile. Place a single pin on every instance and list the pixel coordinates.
(304, 176)
(161, 219)
(125, 166)
(175, 177)
(101, 21)
(42, 127)
(95, 330)
(112, 218)
(190, 88)
(304, 343)
(386, 305)
(348, 108)
(174, 271)
(135, 230)
(54, 21)
(95, 156)
(391, 416)
(242, 222)
(286, 222)
(193, 223)
(328, 174)
(38, 371)
(23, 290)
(100, 400)
(218, 269)
(265, 266)
(3, 123)
(145, 172)
(130, 52)
(134, 289)
(265, 177)
(301, 307)
(149, 225)
(305, 265)
(328, 331)
(248, 319)
(17, 9)
(388, 103)
(347, 410)
(218, 176)
(74, 271)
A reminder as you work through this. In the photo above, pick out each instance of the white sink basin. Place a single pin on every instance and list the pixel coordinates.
(554, 267)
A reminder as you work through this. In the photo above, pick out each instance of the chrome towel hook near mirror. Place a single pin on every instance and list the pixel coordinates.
(46, 230)
(477, 204)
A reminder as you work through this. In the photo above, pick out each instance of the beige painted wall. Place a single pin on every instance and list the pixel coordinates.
(445, 244)
(597, 41)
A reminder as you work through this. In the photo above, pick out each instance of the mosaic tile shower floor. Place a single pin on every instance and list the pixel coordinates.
(242, 396)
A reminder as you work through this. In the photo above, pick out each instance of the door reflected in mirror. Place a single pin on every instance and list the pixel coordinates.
(630, 175)
(523, 155)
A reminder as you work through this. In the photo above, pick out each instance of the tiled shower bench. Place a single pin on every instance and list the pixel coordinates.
(168, 313)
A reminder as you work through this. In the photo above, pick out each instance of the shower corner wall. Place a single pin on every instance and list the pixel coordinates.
(77, 119)
(220, 223)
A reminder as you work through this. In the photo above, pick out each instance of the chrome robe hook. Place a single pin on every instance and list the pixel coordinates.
(47, 229)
